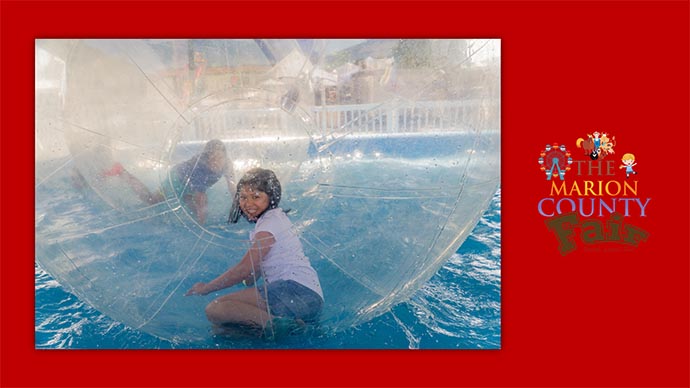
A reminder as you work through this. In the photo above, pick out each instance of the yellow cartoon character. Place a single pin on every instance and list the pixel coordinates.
(628, 163)
(607, 144)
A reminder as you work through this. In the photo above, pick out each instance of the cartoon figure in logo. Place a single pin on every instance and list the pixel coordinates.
(597, 145)
(628, 163)
(606, 145)
(589, 146)
(596, 140)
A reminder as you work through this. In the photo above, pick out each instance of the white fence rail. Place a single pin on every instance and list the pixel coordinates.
(424, 116)
(413, 117)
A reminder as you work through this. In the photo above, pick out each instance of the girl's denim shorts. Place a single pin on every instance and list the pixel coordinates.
(287, 298)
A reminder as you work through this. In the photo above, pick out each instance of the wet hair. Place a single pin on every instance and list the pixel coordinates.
(259, 179)
(211, 147)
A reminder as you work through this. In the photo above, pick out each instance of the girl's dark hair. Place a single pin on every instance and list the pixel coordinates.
(259, 179)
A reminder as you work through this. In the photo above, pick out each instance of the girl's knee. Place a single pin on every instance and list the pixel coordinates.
(213, 311)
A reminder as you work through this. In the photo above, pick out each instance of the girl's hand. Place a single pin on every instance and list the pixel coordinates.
(197, 289)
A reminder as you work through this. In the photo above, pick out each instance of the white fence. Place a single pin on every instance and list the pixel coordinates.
(420, 116)
(412, 117)
(423, 116)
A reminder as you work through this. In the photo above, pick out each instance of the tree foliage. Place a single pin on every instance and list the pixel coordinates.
(412, 53)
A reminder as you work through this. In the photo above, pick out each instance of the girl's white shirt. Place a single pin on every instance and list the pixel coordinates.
(286, 259)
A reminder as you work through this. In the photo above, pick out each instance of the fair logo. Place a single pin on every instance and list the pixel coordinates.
(593, 197)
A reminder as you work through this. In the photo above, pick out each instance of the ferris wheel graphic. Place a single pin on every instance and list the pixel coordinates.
(555, 159)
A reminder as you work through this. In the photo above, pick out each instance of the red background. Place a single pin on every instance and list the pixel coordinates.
(568, 68)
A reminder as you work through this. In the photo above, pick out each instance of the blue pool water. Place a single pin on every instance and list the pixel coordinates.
(458, 308)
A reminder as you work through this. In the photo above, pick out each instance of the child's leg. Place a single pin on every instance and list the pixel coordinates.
(243, 307)
(197, 202)
(139, 188)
